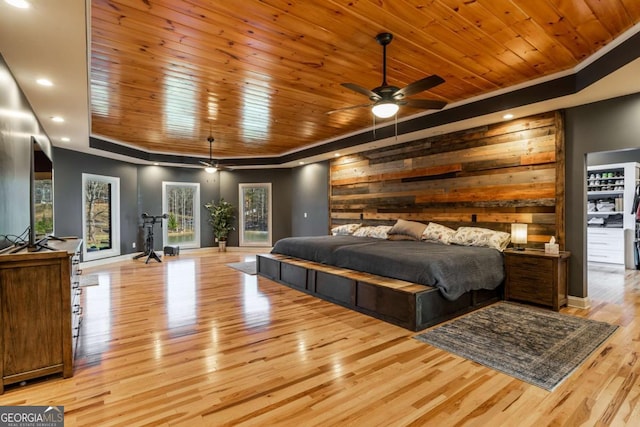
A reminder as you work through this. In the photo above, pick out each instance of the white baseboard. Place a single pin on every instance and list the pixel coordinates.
(103, 261)
(126, 257)
(578, 302)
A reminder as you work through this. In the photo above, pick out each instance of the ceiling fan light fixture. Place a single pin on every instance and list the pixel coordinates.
(210, 169)
(385, 109)
(386, 98)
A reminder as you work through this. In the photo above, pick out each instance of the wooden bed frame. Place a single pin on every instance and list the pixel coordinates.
(409, 305)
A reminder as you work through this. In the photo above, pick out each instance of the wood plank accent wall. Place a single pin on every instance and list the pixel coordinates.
(489, 176)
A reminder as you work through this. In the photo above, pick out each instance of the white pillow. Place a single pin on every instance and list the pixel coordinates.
(345, 229)
(437, 233)
(476, 236)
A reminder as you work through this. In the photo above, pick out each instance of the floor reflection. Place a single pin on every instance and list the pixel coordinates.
(96, 317)
(180, 281)
(256, 308)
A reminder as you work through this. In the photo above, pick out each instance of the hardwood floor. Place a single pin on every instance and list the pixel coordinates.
(192, 342)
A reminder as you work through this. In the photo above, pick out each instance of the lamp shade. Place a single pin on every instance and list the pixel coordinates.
(519, 233)
(385, 109)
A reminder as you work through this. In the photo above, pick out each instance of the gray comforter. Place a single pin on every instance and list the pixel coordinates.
(453, 269)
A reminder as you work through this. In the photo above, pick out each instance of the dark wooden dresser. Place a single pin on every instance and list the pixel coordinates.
(39, 312)
(536, 277)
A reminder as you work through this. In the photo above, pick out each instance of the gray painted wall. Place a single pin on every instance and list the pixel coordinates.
(149, 194)
(68, 167)
(141, 191)
(609, 157)
(603, 126)
(310, 196)
(280, 180)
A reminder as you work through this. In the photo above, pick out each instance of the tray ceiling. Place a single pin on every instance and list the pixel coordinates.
(261, 75)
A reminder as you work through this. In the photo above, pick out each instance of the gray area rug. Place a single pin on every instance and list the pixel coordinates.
(248, 267)
(535, 345)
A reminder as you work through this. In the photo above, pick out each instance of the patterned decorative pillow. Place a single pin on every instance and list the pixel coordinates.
(364, 231)
(345, 229)
(377, 231)
(437, 233)
(381, 231)
(476, 236)
(411, 229)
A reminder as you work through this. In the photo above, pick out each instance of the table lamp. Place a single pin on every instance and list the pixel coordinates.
(519, 236)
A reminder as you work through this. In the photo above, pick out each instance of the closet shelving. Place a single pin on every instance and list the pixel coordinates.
(605, 194)
(611, 225)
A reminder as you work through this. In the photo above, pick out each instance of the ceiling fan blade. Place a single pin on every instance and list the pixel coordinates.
(348, 108)
(366, 92)
(418, 86)
(426, 104)
(205, 164)
(222, 166)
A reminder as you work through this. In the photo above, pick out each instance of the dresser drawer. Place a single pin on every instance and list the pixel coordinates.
(531, 270)
(602, 255)
(611, 237)
(532, 293)
(543, 281)
(605, 245)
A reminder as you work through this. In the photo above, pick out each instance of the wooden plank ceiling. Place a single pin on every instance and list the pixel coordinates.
(262, 74)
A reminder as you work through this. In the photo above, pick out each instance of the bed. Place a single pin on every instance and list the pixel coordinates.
(453, 269)
(414, 284)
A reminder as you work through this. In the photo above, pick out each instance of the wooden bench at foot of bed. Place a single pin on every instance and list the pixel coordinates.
(405, 304)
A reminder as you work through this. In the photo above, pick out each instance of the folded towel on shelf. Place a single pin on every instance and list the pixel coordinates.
(605, 206)
(596, 221)
(614, 221)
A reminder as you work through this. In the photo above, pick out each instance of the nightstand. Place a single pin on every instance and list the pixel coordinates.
(536, 277)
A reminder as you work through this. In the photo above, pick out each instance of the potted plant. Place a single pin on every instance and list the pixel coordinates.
(221, 218)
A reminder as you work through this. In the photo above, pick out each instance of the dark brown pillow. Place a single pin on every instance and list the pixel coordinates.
(411, 230)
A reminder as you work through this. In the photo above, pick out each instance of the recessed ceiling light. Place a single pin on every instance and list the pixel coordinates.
(65, 139)
(57, 119)
(301, 163)
(508, 116)
(44, 82)
(20, 4)
(336, 155)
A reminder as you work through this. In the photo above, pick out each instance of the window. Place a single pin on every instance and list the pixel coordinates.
(255, 214)
(100, 216)
(181, 202)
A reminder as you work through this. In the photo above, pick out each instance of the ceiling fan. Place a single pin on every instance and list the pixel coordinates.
(210, 166)
(386, 99)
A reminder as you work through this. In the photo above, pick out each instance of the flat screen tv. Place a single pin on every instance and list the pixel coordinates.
(39, 164)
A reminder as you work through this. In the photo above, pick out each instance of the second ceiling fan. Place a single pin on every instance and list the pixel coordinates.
(386, 99)
(210, 166)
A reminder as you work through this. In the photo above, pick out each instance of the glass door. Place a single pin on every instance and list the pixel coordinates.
(255, 214)
(181, 201)
(100, 216)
